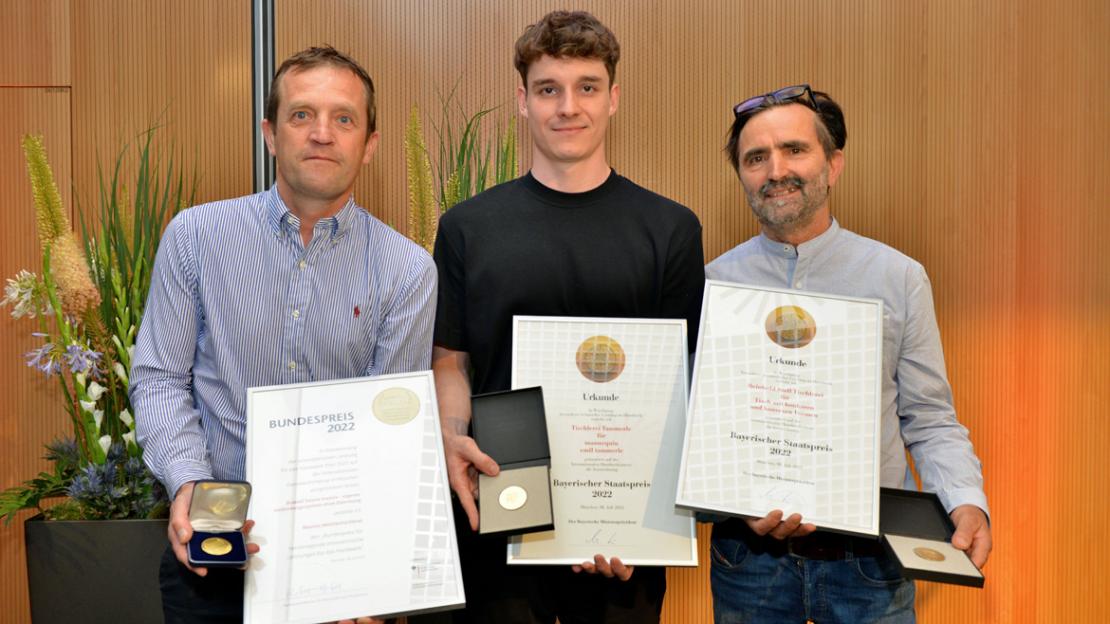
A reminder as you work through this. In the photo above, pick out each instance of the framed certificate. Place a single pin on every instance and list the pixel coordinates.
(350, 501)
(784, 407)
(614, 392)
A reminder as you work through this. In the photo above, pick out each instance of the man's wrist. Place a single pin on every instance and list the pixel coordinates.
(455, 426)
(183, 473)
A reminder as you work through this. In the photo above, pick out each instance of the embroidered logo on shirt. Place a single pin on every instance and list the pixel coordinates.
(357, 312)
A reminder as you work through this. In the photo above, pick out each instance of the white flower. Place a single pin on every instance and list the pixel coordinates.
(125, 416)
(117, 368)
(98, 416)
(95, 391)
(87, 405)
(80, 377)
(24, 292)
(129, 437)
(105, 443)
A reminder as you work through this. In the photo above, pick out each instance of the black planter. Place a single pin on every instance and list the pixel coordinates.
(94, 570)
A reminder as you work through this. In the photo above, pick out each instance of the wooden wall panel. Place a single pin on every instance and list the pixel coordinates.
(1064, 293)
(114, 69)
(182, 65)
(35, 43)
(965, 235)
(32, 414)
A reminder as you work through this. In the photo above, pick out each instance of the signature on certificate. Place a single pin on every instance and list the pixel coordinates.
(607, 537)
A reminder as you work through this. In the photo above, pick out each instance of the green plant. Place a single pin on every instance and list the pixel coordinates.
(464, 151)
(88, 303)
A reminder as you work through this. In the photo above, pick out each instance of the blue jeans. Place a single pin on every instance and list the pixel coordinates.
(757, 587)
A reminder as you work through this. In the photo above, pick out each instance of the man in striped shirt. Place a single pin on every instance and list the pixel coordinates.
(292, 285)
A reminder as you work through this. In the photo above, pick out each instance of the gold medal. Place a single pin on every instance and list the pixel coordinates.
(216, 546)
(396, 406)
(928, 553)
(513, 497)
(600, 359)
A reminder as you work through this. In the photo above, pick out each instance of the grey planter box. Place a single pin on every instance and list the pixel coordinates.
(94, 570)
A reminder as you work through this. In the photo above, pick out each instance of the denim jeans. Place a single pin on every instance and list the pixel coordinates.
(756, 587)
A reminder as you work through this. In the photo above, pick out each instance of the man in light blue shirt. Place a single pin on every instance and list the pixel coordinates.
(292, 285)
(787, 148)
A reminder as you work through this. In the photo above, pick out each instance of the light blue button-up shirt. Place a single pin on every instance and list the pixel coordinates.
(236, 301)
(917, 409)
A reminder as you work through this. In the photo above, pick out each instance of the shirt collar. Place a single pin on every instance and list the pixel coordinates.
(279, 217)
(810, 248)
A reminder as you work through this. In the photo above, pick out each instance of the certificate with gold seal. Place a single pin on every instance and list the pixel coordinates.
(614, 393)
(350, 501)
(785, 407)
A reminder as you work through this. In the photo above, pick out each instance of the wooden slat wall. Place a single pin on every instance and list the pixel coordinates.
(184, 66)
(977, 134)
(112, 70)
(32, 413)
(35, 43)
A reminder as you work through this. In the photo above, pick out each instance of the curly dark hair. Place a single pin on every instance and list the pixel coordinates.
(567, 34)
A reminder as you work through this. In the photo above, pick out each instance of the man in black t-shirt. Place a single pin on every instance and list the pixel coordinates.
(569, 238)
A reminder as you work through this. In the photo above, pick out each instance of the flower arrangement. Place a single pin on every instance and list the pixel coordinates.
(88, 302)
(462, 166)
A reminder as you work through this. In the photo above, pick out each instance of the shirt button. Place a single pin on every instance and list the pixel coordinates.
(301, 265)
(292, 366)
(296, 314)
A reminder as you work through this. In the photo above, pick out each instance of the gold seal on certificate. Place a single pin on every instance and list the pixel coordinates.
(928, 553)
(791, 327)
(600, 359)
(216, 546)
(396, 406)
(513, 497)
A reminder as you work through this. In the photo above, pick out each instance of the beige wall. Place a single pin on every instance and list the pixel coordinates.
(977, 134)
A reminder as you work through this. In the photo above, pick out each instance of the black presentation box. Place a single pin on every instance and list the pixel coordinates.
(917, 532)
(511, 427)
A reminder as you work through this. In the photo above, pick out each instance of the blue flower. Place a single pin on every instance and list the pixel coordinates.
(45, 359)
(82, 360)
(116, 453)
(63, 449)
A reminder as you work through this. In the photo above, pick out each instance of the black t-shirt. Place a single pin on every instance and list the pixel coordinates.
(521, 248)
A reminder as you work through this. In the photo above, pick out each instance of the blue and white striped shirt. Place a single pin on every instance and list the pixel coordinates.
(236, 300)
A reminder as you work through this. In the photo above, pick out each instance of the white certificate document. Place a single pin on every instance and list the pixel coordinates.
(350, 501)
(614, 393)
(785, 407)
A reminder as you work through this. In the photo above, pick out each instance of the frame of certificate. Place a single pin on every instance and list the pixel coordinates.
(615, 395)
(350, 500)
(785, 407)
